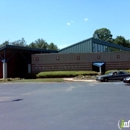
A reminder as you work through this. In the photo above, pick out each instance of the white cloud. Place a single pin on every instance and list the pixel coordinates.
(68, 24)
(71, 22)
(86, 19)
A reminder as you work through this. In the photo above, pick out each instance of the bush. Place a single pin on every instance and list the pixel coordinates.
(128, 71)
(109, 71)
(61, 74)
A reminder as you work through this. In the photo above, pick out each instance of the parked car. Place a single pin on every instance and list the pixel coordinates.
(116, 75)
(126, 80)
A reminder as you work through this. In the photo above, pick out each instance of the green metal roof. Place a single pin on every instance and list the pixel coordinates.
(98, 42)
(75, 44)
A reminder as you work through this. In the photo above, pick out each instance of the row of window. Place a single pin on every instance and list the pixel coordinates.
(102, 48)
(60, 67)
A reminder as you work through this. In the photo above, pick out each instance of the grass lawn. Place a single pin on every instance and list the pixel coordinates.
(54, 76)
(34, 80)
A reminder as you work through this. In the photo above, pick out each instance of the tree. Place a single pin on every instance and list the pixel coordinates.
(120, 40)
(128, 42)
(40, 43)
(21, 42)
(103, 34)
(52, 46)
(33, 45)
(5, 43)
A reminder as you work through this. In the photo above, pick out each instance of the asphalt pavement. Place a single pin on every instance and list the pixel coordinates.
(63, 106)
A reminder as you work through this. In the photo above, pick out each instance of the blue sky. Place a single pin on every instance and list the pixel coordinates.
(63, 22)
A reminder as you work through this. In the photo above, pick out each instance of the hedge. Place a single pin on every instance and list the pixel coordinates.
(60, 74)
(128, 71)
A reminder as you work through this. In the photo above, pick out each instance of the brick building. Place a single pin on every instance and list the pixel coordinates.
(99, 61)
(89, 54)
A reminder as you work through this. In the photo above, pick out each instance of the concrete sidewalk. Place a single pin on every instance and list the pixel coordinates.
(84, 80)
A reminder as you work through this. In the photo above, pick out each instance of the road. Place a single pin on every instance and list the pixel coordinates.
(63, 106)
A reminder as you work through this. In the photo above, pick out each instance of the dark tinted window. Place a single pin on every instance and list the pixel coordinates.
(121, 72)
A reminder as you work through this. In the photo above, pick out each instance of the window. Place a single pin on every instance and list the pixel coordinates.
(106, 48)
(101, 48)
(121, 72)
(95, 46)
(98, 47)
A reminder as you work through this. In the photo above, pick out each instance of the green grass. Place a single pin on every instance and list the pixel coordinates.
(42, 80)
(53, 76)
(33, 80)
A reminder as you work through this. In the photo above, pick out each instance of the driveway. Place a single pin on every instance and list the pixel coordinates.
(63, 106)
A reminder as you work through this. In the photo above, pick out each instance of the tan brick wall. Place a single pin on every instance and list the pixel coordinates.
(79, 61)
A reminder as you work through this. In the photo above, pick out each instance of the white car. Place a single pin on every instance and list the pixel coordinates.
(126, 80)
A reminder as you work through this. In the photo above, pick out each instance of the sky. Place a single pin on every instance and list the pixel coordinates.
(63, 22)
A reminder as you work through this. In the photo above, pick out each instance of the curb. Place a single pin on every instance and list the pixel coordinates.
(71, 79)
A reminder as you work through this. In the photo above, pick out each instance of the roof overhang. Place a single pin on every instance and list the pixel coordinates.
(11, 47)
(98, 64)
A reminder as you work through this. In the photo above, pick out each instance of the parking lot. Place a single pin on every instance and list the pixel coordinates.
(63, 106)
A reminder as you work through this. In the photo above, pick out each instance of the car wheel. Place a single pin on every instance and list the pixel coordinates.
(106, 80)
(129, 81)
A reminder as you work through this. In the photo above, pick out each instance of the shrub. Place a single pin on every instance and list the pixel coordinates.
(60, 74)
(109, 71)
(128, 71)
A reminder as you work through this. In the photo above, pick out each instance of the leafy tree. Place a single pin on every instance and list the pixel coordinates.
(128, 42)
(21, 42)
(33, 45)
(5, 43)
(103, 34)
(40, 43)
(52, 46)
(120, 40)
